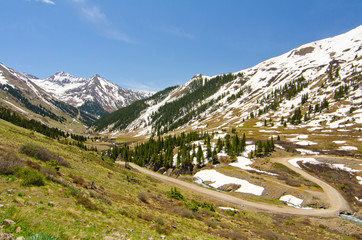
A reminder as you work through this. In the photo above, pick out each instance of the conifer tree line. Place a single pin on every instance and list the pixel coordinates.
(178, 151)
(84, 116)
(263, 148)
(288, 91)
(179, 112)
(39, 127)
(32, 124)
(124, 116)
(16, 93)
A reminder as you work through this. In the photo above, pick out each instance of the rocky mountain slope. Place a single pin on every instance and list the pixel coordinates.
(83, 91)
(315, 85)
(62, 99)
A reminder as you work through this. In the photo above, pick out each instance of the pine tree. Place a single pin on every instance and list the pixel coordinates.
(199, 157)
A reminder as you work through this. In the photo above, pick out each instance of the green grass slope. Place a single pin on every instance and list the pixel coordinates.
(55, 191)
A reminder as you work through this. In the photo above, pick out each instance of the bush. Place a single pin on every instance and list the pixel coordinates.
(208, 206)
(33, 165)
(159, 221)
(86, 203)
(166, 230)
(289, 222)
(143, 197)
(233, 234)
(9, 162)
(187, 213)
(30, 177)
(47, 171)
(210, 223)
(146, 216)
(101, 197)
(38, 152)
(63, 162)
(193, 206)
(78, 180)
(175, 194)
(43, 154)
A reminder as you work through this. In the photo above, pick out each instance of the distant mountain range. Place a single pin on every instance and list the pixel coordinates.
(79, 91)
(316, 85)
(63, 97)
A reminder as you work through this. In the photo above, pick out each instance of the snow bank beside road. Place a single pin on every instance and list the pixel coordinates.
(219, 180)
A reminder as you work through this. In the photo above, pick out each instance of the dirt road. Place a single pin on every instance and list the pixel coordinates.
(336, 201)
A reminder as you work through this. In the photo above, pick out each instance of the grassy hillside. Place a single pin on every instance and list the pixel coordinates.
(69, 193)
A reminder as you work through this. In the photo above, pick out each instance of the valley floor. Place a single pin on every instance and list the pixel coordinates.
(337, 203)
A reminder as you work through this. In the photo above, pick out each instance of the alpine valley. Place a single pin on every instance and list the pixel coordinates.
(63, 98)
(269, 152)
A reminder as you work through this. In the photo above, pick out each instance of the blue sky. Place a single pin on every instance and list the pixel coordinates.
(154, 44)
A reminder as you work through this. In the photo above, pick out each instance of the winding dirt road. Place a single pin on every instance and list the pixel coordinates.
(335, 200)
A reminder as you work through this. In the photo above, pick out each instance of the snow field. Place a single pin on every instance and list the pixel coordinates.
(298, 141)
(291, 200)
(295, 161)
(243, 163)
(306, 143)
(228, 208)
(219, 180)
(347, 148)
(2, 79)
(306, 152)
(279, 146)
(359, 180)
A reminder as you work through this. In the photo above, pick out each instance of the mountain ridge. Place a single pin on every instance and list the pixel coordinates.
(62, 97)
(328, 63)
(76, 91)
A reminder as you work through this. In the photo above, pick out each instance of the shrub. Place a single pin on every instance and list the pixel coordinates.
(193, 206)
(209, 206)
(30, 177)
(86, 203)
(78, 180)
(43, 154)
(38, 152)
(231, 212)
(289, 222)
(187, 213)
(210, 223)
(9, 162)
(47, 171)
(233, 234)
(175, 194)
(145, 216)
(166, 230)
(143, 197)
(159, 221)
(63, 162)
(101, 197)
(33, 165)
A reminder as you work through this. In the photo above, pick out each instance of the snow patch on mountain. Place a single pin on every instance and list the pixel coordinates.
(2, 79)
(25, 79)
(238, 99)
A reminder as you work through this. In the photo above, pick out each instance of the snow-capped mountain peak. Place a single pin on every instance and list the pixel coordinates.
(77, 91)
(63, 78)
(271, 89)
